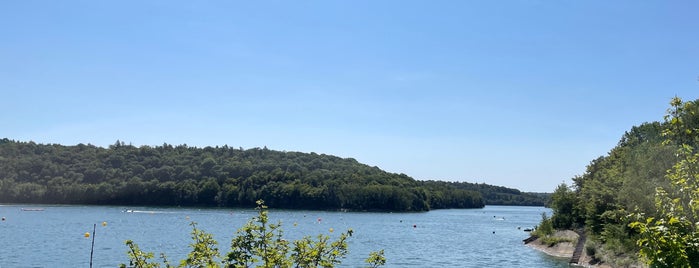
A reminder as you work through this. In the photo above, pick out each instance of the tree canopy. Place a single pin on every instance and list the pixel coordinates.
(642, 195)
(168, 175)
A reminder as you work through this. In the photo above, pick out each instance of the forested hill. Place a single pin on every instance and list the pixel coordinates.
(216, 176)
(499, 195)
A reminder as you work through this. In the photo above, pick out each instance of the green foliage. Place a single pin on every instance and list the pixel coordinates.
(553, 240)
(590, 248)
(617, 237)
(562, 204)
(259, 244)
(545, 227)
(260, 241)
(204, 252)
(625, 179)
(495, 195)
(652, 172)
(138, 258)
(376, 259)
(545, 232)
(670, 239)
(214, 176)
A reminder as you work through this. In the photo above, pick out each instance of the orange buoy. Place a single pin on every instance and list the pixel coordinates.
(87, 235)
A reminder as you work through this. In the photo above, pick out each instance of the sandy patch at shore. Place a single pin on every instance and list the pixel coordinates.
(566, 249)
(563, 249)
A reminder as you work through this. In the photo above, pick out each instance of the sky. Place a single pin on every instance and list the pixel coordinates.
(520, 93)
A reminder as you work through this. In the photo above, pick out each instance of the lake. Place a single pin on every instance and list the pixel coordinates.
(487, 237)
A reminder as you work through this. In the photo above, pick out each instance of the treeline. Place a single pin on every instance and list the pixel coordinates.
(613, 185)
(212, 176)
(625, 185)
(499, 195)
(224, 176)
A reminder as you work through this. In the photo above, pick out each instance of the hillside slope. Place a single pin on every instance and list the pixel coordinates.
(212, 176)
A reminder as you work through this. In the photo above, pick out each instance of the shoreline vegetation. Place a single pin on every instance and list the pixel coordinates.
(637, 205)
(167, 175)
(564, 248)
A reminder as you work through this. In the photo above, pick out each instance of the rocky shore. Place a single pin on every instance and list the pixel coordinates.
(565, 249)
(561, 250)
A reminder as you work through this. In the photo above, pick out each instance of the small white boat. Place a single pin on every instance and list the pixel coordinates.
(32, 209)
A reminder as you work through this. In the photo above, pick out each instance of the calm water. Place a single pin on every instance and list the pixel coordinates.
(442, 238)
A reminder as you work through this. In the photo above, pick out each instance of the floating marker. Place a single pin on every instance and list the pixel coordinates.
(104, 223)
(332, 230)
(3, 218)
(295, 224)
(414, 225)
(87, 235)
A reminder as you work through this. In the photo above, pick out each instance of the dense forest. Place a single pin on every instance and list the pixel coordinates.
(642, 195)
(223, 176)
(498, 195)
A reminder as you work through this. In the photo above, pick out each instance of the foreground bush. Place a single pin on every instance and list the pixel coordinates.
(257, 244)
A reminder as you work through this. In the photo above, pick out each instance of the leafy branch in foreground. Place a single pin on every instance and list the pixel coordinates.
(258, 244)
(138, 258)
(376, 259)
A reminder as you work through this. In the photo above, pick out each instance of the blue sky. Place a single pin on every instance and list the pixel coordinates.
(521, 94)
